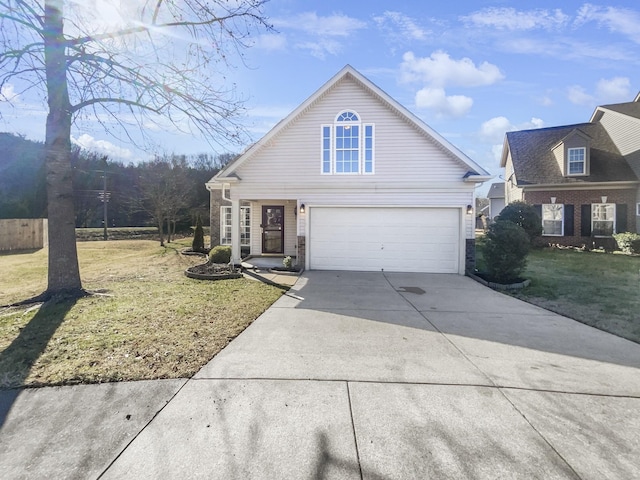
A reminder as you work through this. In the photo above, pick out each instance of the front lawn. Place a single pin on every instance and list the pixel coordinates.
(599, 289)
(147, 321)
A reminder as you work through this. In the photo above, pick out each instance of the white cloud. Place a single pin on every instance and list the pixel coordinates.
(407, 27)
(440, 70)
(320, 34)
(271, 42)
(512, 19)
(322, 47)
(494, 129)
(617, 89)
(437, 100)
(9, 94)
(336, 25)
(578, 95)
(613, 90)
(618, 20)
(87, 142)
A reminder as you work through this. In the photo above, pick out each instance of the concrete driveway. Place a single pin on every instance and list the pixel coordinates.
(364, 375)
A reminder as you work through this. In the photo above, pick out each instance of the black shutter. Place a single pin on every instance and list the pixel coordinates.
(568, 221)
(538, 209)
(585, 221)
(621, 217)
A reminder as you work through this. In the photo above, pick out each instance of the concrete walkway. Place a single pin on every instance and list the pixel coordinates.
(358, 375)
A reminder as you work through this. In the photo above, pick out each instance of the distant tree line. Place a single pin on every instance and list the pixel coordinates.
(167, 191)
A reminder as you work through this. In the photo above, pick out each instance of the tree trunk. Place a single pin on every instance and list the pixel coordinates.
(64, 273)
(160, 223)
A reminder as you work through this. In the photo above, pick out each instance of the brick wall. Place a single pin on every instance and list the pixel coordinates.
(584, 197)
(215, 201)
(301, 254)
(470, 255)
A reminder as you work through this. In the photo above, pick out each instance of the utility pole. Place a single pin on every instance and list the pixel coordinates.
(104, 198)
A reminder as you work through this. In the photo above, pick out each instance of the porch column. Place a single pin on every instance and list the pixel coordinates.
(235, 232)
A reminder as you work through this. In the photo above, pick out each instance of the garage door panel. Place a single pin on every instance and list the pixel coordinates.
(391, 239)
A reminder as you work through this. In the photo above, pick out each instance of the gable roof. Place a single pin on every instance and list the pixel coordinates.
(475, 171)
(496, 190)
(534, 161)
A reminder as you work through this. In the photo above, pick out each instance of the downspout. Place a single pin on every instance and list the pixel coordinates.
(224, 191)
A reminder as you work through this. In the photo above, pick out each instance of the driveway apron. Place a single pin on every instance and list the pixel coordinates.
(393, 376)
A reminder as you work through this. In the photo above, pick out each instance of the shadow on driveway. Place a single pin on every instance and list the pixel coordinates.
(17, 360)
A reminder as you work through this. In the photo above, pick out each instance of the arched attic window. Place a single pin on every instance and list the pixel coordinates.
(347, 145)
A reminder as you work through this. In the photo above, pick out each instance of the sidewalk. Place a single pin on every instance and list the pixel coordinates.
(359, 375)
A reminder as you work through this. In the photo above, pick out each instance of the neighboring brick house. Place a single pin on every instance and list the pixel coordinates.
(583, 178)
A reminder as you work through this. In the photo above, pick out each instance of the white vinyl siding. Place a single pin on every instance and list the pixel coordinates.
(623, 131)
(553, 220)
(225, 226)
(283, 161)
(408, 167)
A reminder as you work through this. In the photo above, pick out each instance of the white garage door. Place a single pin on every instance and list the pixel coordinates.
(389, 239)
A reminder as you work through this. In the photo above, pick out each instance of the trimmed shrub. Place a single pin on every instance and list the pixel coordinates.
(198, 236)
(220, 254)
(505, 251)
(628, 242)
(523, 215)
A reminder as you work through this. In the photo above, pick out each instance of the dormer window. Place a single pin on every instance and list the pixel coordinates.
(347, 146)
(577, 160)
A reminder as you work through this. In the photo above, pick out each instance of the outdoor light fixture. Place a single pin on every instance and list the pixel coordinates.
(302, 208)
(469, 209)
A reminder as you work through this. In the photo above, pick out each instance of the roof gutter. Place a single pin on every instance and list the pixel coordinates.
(580, 186)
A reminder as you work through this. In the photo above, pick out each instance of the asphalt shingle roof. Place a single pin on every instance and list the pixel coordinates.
(535, 163)
(631, 109)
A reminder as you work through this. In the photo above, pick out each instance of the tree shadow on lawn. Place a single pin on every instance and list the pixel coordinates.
(17, 360)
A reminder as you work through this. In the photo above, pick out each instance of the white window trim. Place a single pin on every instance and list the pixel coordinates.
(613, 221)
(373, 148)
(361, 146)
(245, 212)
(584, 161)
(561, 222)
(330, 127)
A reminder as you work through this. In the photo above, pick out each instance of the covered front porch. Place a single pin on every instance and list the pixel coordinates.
(268, 229)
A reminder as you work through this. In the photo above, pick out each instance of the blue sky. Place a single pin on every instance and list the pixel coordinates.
(472, 70)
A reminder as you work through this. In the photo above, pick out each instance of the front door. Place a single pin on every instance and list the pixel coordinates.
(272, 229)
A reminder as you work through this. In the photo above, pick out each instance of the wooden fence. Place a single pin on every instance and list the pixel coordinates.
(23, 234)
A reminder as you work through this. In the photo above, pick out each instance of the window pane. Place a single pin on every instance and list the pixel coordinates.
(603, 217)
(603, 228)
(577, 160)
(552, 219)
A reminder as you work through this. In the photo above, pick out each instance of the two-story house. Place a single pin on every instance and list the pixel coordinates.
(583, 178)
(350, 180)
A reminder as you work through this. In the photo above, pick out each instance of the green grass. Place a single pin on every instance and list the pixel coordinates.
(599, 289)
(148, 321)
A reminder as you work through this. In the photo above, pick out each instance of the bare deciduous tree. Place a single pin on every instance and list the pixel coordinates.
(140, 63)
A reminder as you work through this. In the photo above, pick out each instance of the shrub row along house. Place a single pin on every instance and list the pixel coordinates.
(350, 180)
(583, 179)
